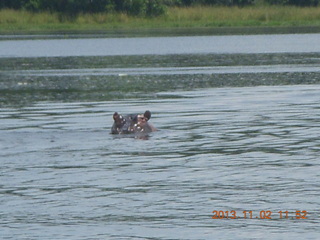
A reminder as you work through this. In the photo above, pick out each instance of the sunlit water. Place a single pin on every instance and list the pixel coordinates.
(237, 131)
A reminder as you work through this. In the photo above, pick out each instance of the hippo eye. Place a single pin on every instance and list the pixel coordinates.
(143, 118)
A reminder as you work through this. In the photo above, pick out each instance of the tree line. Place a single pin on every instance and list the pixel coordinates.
(132, 7)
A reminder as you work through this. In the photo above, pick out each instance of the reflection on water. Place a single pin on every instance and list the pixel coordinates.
(237, 132)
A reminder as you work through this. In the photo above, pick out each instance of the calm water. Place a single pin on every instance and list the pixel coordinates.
(238, 130)
(161, 45)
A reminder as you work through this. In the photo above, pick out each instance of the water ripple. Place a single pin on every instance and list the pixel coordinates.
(243, 141)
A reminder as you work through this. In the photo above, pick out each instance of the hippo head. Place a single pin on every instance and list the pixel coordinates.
(140, 123)
(132, 123)
(119, 125)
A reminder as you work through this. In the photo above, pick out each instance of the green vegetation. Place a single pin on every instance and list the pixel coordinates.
(195, 16)
(245, 16)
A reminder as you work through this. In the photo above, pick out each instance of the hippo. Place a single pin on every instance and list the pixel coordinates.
(132, 123)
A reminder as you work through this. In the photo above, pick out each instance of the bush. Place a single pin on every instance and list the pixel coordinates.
(13, 4)
(217, 2)
(155, 8)
(132, 7)
(141, 7)
(301, 3)
(74, 7)
(136, 7)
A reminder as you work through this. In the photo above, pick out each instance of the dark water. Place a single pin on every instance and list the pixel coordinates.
(237, 131)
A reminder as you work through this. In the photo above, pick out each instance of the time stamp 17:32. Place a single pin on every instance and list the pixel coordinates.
(298, 214)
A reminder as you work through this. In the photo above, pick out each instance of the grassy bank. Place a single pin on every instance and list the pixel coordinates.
(193, 17)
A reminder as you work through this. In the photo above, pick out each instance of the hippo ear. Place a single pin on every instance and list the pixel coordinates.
(147, 114)
(115, 116)
(135, 118)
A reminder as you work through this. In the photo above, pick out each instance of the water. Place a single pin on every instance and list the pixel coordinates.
(237, 131)
(161, 45)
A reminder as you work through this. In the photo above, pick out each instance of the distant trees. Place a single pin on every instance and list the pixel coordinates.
(215, 2)
(301, 3)
(137, 7)
(241, 2)
(131, 7)
(73, 7)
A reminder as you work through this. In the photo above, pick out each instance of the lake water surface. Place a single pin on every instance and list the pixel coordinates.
(238, 131)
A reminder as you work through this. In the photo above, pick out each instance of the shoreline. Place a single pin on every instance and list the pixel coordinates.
(159, 32)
